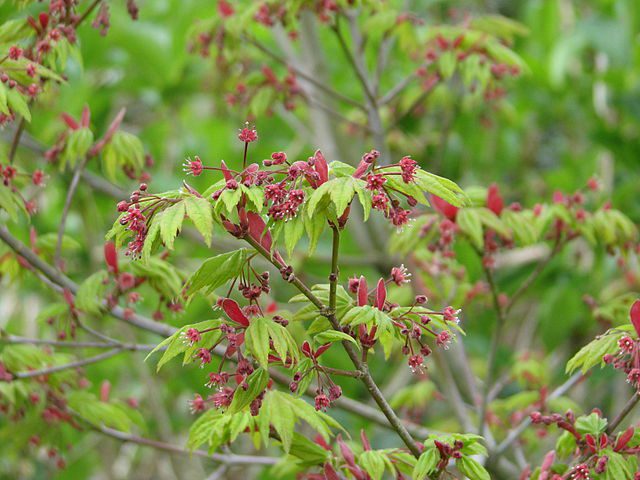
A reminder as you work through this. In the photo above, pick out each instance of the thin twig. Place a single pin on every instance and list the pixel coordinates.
(227, 459)
(87, 12)
(493, 349)
(397, 89)
(66, 366)
(73, 187)
(17, 340)
(300, 73)
(524, 424)
(16, 140)
(65, 282)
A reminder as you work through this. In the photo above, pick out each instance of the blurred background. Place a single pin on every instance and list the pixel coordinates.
(572, 112)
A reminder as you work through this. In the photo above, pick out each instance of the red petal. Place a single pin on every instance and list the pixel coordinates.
(362, 292)
(70, 121)
(68, 296)
(105, 390)
(624, 439)
(306, 349)
(111, 257)
(86, 117)
(257, 229)
(234, 312)
(346, 452)
(381, 294)
(115, 124)
(444, 207)
(365, 441)
(494, 200)
(225, 171)
(330, 473)
(321, 349)
(321, 167)
(362, 167)
(635, 316)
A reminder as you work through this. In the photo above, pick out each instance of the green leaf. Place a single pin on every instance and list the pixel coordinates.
(373, 463)
(257, 382)
(216, 271)
(171, 223)
(176, 344)
(334, 336)
(90, 294)
(591, 354)
(257, 341)
(470, 224)
(314, 225)
(199, 212)
(472, 469)
(18, 103)
(293, 230)
(592, 423)
(426, 463)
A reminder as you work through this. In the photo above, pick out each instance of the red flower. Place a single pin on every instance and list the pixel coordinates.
(193, 167)
(248, 135)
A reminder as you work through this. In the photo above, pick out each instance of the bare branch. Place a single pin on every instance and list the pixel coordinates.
(66, 366)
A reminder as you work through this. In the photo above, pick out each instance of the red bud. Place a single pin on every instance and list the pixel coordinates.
(494, 200)
(362, 292)
(381, 294)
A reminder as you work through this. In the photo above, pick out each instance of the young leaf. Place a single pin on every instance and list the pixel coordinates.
(216, 271)
(199, 211)
(171, 223)
(472, 469)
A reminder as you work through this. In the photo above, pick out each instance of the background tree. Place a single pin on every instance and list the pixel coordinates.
(533, 99)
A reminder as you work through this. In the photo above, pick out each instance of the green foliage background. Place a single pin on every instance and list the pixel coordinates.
(575, 113)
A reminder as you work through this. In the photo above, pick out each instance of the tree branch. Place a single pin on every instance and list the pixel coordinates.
(73, 186)
(300, 73)
(522, 426)
(67, 366)
(631, 403)
(228, 459)
(366, 377)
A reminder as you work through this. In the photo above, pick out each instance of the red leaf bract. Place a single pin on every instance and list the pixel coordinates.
(257, 229)
(362, 292)
(234, 312)
(381, 294)
(444, 207)
(111, 257)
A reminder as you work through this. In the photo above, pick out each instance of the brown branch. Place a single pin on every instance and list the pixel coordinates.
(493, 349)
(630, 405)
(67, 366)
(228, 459)
(16, 140)
(522, 426)
(65, 282)
(73, 187)
(302, 74)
